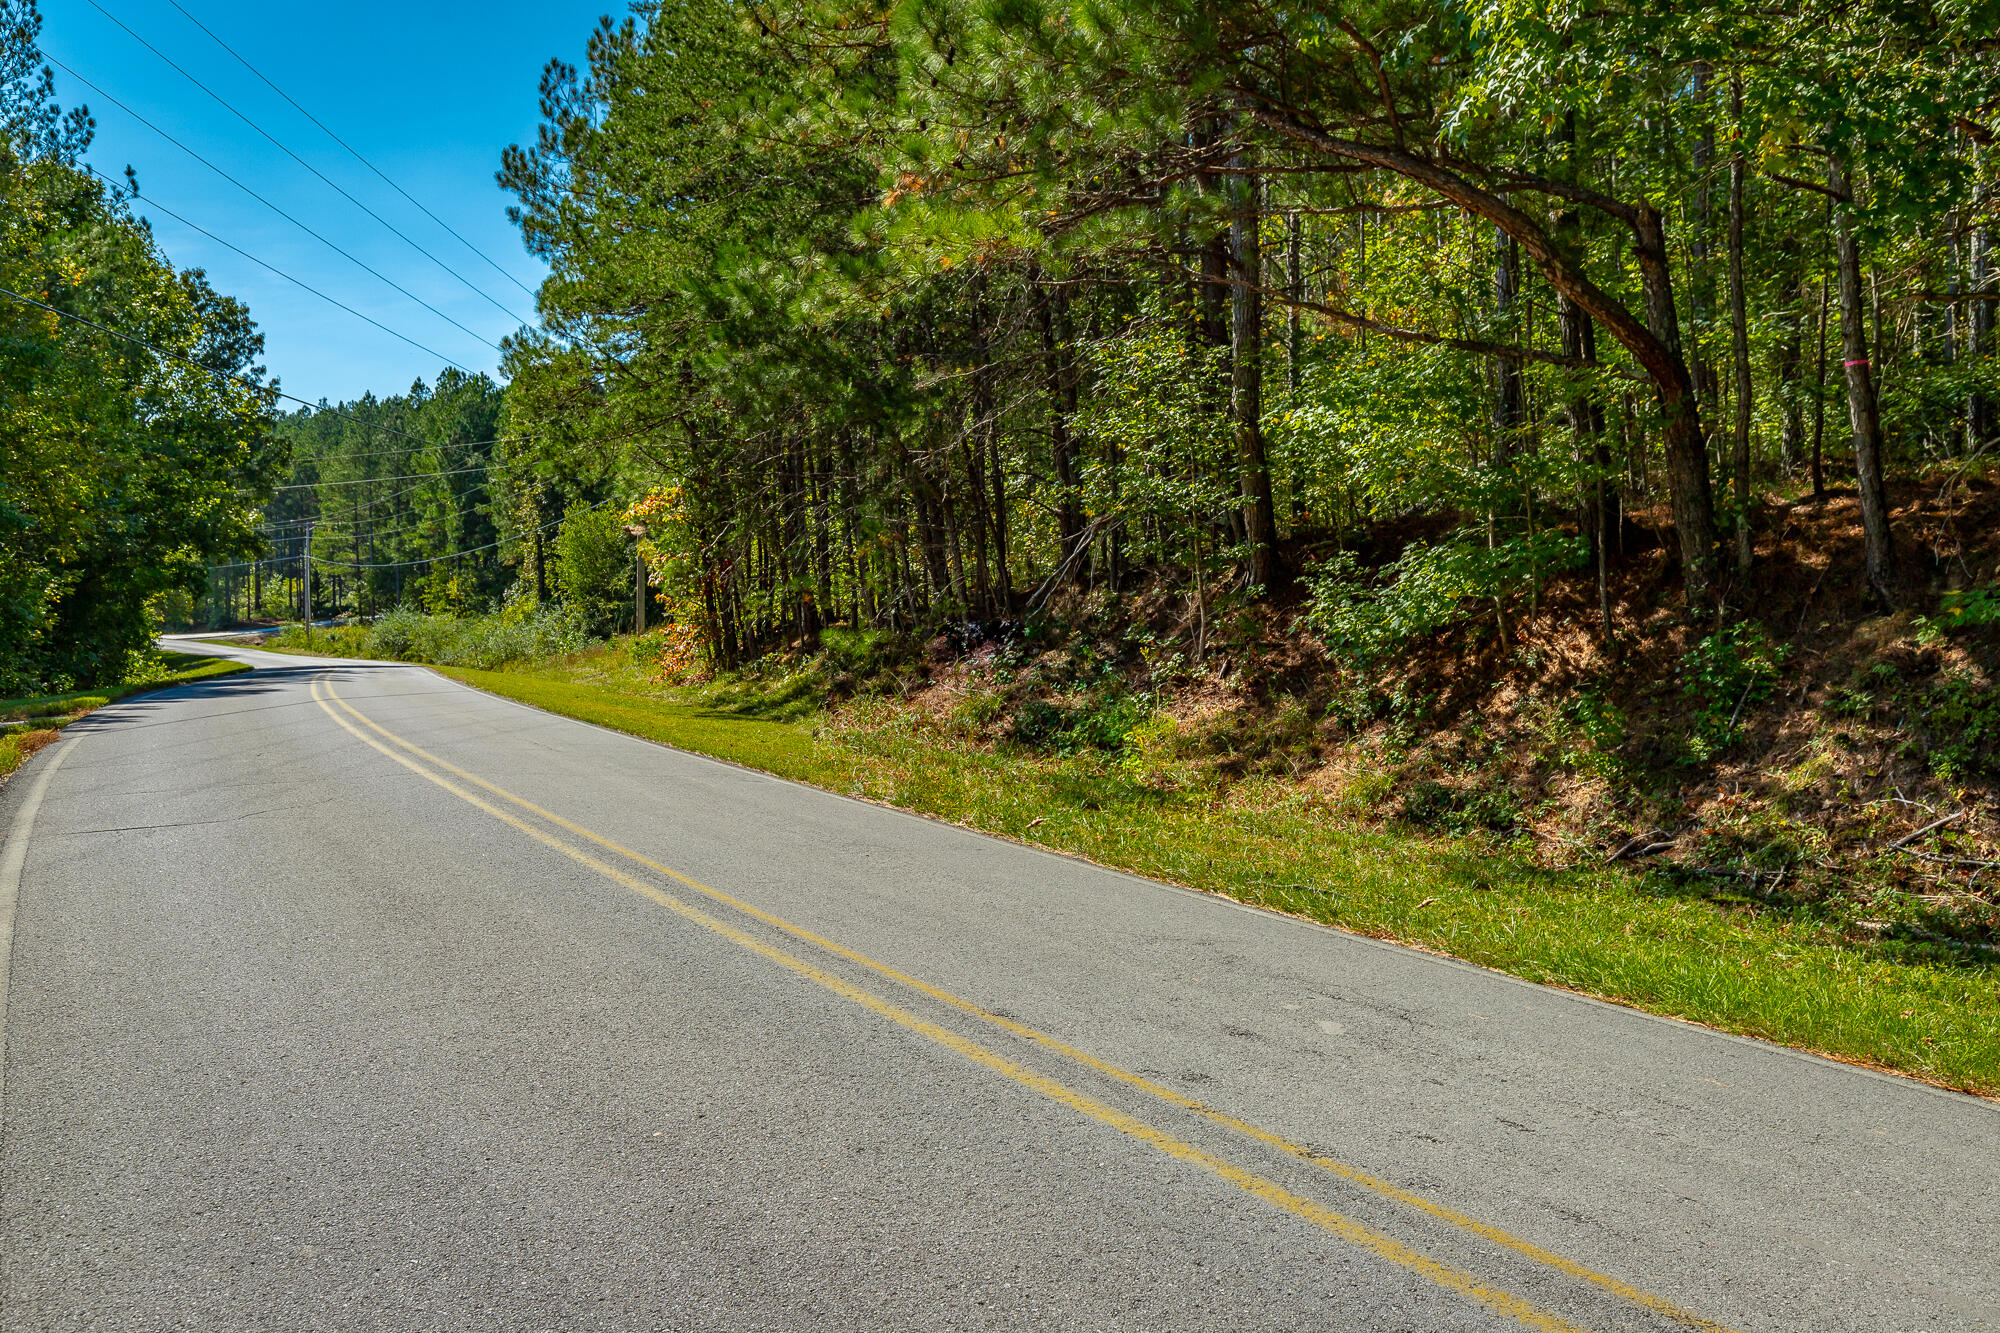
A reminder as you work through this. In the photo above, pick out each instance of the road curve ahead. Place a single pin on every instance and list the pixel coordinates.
(343, 997)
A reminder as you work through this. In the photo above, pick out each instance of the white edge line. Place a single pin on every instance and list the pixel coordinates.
(13, 858)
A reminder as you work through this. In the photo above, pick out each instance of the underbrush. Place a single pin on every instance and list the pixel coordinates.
(482, 642)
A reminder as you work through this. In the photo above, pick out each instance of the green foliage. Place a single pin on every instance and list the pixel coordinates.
(1959, 713)
(1100, 721)
(1723, 678)
(123, 474)
(1432, 804)
(593, 569)
(1363, 620)
(484, 642)
(1965, 608)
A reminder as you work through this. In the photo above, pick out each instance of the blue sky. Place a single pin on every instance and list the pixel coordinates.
(429, 93)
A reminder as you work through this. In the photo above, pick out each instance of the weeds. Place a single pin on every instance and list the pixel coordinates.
(1721, 677)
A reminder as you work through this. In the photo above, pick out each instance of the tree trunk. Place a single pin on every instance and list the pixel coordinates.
(1293, 226)
(1739, 327)
(1819, 400)
(1246, 397)
(1791, 366)
(1054, 315)
(1507, 390)
(1861, 408)
(1979, 409)
(1701, 278)
(1685, 448)
(1654, 344)
(1586, 421)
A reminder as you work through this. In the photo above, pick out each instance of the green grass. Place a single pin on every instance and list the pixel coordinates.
(1930, 1011)
(47, 714)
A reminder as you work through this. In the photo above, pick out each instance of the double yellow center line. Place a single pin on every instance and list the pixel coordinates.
(1454, 1279)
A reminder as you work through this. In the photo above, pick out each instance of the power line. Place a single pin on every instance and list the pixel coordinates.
(382, 453)
(351, 150)
(363, 481)
(252, 385)
(393, 229)
(358, 513)
(267, 203)
(353, 513)
(452, 555)
(286, 276)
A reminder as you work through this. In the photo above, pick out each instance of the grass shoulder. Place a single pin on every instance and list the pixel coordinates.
(1645, 940)
(35, 722)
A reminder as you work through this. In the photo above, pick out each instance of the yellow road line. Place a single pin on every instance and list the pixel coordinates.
(1486, 1231)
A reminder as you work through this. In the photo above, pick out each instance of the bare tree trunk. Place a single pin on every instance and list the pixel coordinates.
(1819, 400)
(1246, 339)
(1586, 420)
(1054, 314)
(1686, 450)
(1791, 366)
(1507, 392)
(1979, 409)
(1861, 408)
(1739, 326)
(1701, 277)
(1293, 228)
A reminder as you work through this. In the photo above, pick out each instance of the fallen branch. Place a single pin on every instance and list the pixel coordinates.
(1740, 702)
(1963, 862)
(1632, 851)
(1908, 838)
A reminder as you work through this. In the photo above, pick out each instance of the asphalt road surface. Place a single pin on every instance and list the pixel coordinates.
(343, 997)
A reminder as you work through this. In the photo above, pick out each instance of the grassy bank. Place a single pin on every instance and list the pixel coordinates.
(45, 715)
(1793, 976)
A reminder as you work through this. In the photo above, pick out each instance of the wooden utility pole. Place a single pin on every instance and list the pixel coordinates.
(306, 565)
(638, 533)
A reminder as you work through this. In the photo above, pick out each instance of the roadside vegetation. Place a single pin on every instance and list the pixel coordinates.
(1353, 821)
(125, 471)
(1430, 469)
(28, 725)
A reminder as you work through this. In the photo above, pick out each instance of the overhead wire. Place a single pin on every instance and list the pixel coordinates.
(281, 273)
(318, 409)
(352, 151)
(353, 513)
(348, 513)
(268, 204)
(363, 481)
(328, 181)
(452, 555)
(403, 564)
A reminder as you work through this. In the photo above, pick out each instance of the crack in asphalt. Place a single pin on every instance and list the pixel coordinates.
(186, 823)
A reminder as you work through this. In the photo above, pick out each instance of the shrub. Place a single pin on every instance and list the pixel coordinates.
(1427, 588)
(481, 642)
(1722, 677)
(593, 569)
(1960, 716)
(1431, 804)
(1095, 723)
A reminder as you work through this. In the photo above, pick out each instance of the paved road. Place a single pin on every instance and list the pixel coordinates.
(346, 998)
